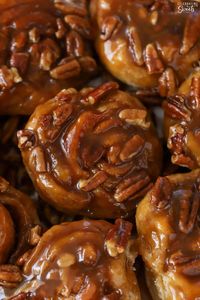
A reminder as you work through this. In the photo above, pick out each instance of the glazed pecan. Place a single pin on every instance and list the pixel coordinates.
(161, 193)
(167, 83)
(117, 238)
(10, 276)
(152, 60)
(135, 46)
(175, 108)
(110, 27)
(189, 206)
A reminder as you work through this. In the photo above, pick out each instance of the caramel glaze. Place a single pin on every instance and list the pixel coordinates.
(18, 216)
(93, 152)
(170, 245)
(147, 44)
(182, 123)
(82, 260)
(43, 48)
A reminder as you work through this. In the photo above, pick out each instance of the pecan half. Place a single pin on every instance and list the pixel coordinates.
(135, 117)
(189, 206)
(195, 93)
(93, 182)
(167, 83)
(161, 193)
(132, 188)
(135, 46)
(152, 60)
(74, 44)
(79, 24)
(176, 109)
(20, 61)
(133, 147)
(67, 69)
(95, 95)
(110, 27)
(10, 276)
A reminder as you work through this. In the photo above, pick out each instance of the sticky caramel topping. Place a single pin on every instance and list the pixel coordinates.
(183, 213)
(72, 261)
(91, 152)
(43, 47)
(182, 113)
(155, 37)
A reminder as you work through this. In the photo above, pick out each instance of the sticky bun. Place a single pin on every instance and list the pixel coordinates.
(44, 46)
(81, 260)
(19, 223)
(93, 152)
(147, 43)
(168, 223)
(182, 123)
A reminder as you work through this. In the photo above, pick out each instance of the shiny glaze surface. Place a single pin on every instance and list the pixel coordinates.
(44, 47)
(170, 244)
(82, 260)
(147, 43)
(93, 152)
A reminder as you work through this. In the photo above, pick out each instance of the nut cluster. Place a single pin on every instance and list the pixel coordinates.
(91, 152)
(42, 52)
(182, 112)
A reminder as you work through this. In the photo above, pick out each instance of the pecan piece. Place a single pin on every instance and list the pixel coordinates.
(132, 147)
(135, 46)
(61, 31)
(8, 77)
(117, 238)
(87, 254)
(74, 44)
(110, 26)
(176, 109)
(135, 117)
(26, 139)
(195, 93)
(152, 60)
(20, 61)
(76, 8)
(68, 68)
(191, 33)
(34, 35)
(80, 25)
(167, 83)
(161, 193)
(95, 95)
(10, 276)
(131, 187)
(189, 206)
(35, 235)
(93, 182)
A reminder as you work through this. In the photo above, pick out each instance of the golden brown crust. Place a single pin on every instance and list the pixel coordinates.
(169, 244)
(182, 123)
(147, 44)
(91, 152)
(42, 51)
(82, 260)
